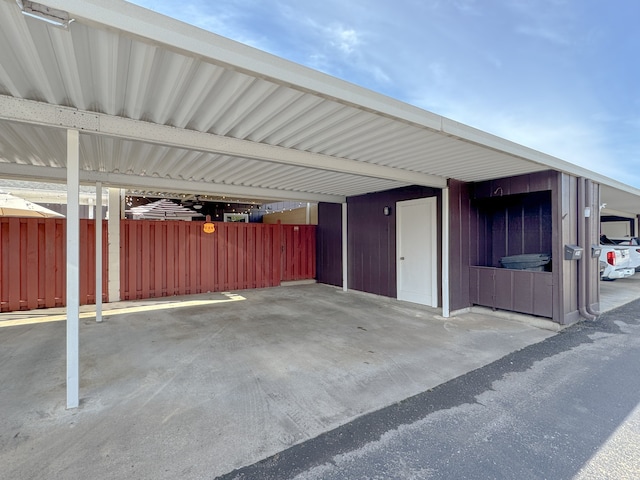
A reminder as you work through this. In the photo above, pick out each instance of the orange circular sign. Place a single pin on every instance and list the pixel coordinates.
(209, 227)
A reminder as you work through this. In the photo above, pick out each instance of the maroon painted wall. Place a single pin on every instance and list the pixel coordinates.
(462, 252)
(513, 225)
(329, 244)
(491, 219)
(372, 238)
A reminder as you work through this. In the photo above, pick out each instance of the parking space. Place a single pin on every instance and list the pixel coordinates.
(200, 390)
(617, 293)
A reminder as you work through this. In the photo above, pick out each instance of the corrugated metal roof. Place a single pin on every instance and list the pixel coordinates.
(122, 61)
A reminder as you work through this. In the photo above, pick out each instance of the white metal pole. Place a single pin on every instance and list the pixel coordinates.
(445, 254)
(345, 259)
(113, 232)
(98, 251)
(73, 267)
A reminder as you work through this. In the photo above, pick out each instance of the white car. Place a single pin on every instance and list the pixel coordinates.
(634, 248)
(615, 262)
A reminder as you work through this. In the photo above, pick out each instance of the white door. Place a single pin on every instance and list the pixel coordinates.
(416, 247)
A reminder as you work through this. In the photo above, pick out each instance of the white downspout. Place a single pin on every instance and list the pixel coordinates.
(446, 313)
(73, 268)
(582, 269)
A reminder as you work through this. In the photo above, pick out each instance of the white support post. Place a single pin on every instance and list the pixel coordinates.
(445, 254)
(308, 214)
(98, 219)
(114, 244)
(345, 259)
(73, 268)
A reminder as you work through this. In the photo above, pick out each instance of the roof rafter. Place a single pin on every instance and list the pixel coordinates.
(38, 113)
(119, 180)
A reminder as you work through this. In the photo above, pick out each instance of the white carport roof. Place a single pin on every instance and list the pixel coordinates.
(164, 105)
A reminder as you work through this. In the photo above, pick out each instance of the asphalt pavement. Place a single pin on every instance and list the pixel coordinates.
(565, 408)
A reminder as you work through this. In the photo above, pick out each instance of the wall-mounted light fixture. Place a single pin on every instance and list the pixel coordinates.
(53, 16)
(386, 211)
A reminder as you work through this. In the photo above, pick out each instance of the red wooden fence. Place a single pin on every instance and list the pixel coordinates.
(157, 259)
(299, 252)
(165, 258)
(33, 263)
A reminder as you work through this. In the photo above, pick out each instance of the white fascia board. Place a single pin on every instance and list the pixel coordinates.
(28, 111)
(119, 180)
(617, 213)
(493, 142)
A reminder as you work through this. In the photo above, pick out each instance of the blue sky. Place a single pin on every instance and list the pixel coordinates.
(560, 76)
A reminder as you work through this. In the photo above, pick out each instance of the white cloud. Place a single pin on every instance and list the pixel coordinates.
(344, 39)
(543, 33)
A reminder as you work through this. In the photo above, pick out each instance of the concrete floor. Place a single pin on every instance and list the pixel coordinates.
(198, 388)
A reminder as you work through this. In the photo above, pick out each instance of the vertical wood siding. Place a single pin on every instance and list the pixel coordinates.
(329, 244)
(157, 259)
(33, 263)
(166, 258)
(500, 217)
(372, 238)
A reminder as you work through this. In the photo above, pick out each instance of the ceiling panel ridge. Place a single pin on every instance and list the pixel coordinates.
(122, 180)
(174, 35)
(38, 113)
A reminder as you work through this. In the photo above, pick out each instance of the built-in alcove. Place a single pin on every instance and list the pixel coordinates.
(510, 225)
(513, 225)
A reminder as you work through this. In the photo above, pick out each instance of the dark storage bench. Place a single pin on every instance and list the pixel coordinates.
(522, 291)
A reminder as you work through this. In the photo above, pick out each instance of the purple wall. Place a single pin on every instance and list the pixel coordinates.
(372, 238)
(513, 225)
(329, 244)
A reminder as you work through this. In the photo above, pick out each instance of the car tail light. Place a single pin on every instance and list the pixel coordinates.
(611, 258)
